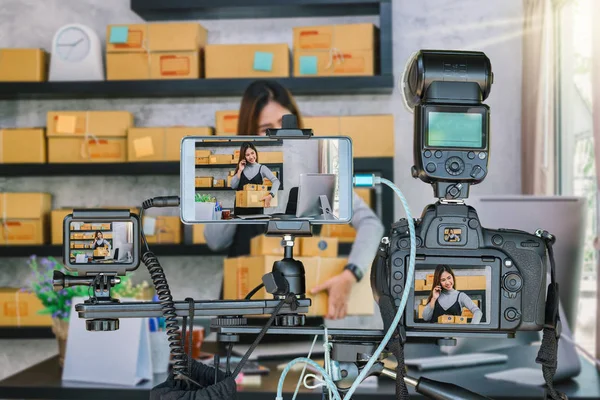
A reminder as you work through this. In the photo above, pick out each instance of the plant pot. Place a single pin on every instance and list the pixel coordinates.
(60, 328)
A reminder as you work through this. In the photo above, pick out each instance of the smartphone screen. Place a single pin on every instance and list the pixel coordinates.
(257, 179)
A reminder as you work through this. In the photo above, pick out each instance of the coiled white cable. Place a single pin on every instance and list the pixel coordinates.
(409, 282)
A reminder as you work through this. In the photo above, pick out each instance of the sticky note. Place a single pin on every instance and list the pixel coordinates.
(119, 34)
(66, 124)
(143, 147)
(308, 65)
(263, 61)
(149, 226)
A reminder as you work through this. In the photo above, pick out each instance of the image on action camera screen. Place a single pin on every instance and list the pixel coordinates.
(447, 129)
(452, 235)
(446, 294)
(101, 242)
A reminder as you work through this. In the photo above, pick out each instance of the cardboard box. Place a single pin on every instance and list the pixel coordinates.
(80, 150)
(101, 124)
(251, 60)
(250, 187)
(267, 182)
(220, 159)
(204, 181)
(229, 179)
(365, 194)
(270, 157)
(219, 183)
(269, 245)
(140, 66)
(22, 145)
(344, 232)
(318, 247)
(167, 230)
(322, 126)
(419, 283)
(421, 309)
(245, 199)
(20, 309)
(202, 160)
(429, 279)
(244, 273)
(226, 122)
(23, 65)
(99, 252)
(154, 51)
(198, 234)
(460, 319)
(25, 218)
(476, 282)
(342, 37)
(424, 301)
(466, 313)
(160, 144)
(57, 218)
(427, 288)
(372, 135)
(446, 319)
(203, 153)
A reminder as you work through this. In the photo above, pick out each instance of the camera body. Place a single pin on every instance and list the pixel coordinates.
(509, 268)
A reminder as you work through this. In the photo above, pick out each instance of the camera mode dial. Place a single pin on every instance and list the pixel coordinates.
(455, 166)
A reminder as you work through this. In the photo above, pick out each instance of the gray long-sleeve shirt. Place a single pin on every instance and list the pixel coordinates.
(369, 231)
(251, 170)
(447, 299)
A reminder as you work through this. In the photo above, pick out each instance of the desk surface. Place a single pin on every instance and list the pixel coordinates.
(44, 381)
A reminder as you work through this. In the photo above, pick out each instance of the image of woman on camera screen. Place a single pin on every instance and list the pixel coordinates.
(250, 171)
(445, 300)
(263, 106)
(99, 241)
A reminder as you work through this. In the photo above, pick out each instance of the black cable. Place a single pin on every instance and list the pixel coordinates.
(190, 333)
(253, 291)
(228, 366)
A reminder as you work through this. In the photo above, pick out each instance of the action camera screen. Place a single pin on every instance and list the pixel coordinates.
(452, 295)
(447, 129)
(97, 243)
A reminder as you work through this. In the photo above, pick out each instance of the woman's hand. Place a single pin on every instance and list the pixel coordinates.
(339, 288)
(241, 165)
(436, 293)
(267, 199)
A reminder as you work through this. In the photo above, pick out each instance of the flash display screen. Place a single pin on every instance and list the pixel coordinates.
(447, 129)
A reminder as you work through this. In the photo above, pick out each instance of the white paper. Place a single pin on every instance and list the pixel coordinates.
(523, 376)
(120, 357)
(149, 226)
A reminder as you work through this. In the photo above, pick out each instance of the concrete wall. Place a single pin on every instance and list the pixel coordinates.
(493, 27)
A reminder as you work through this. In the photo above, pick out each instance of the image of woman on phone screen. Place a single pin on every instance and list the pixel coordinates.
(250, 171)
(445, 300)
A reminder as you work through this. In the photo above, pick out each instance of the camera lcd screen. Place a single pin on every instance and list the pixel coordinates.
(453, 295)
(449, 129)
(256, 179)
(101, 242)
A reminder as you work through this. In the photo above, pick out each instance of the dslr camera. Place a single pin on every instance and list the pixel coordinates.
(468, 280)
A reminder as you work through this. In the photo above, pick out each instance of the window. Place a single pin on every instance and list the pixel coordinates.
(577, 169)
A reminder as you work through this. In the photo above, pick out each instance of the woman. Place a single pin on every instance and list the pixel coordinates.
(444, 300)
(99, 241)
(263, 106)
(250, 171)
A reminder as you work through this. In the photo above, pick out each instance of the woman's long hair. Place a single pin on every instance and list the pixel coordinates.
(245, 146)
(96, 235)
(256, 97)
(437, 278)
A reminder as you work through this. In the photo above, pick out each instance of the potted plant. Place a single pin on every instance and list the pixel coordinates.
(205, 206)
(57, 304)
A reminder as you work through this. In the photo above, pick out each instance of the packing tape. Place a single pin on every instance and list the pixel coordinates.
(17, 308)
(85, 146)
(146, 46)
(6, 230)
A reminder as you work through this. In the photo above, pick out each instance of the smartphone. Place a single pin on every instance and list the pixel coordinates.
(254, 179)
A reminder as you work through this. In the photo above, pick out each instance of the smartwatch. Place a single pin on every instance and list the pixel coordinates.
(356, 271)
(272, 194)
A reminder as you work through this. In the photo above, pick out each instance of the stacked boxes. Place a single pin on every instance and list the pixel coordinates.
(335, 50)
(25, 218)
(154, 51)
(160, 144)
(247, 60)
(87, 136)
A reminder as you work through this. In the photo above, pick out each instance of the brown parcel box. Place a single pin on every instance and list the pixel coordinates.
(204, 181)
(156, 51)
(22, 145)
(23, 65)
(244, 199)
(270, 157)
(220, 159)
(421, 309)
(159, 144)
(57, 218)
(344, 232)
(460, 319)
(198, 234)
(167, 229)
(365, 194)
(19, 308)
(219, 60)
(244, 273)
(27, 217)
(322, 126)
(318, 246)
(98, 123)
(269, 246)
(80, 150)
(226, 122)
(219, 183)
(446, 319)
(336, 63)
(372, 135)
